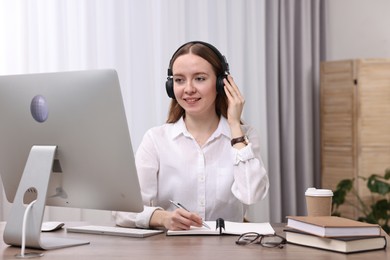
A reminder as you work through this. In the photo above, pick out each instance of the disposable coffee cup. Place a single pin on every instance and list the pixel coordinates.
(318, 202)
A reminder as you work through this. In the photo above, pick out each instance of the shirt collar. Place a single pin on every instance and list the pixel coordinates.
(179, 128)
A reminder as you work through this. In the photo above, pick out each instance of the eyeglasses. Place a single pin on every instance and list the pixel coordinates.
(263, 240)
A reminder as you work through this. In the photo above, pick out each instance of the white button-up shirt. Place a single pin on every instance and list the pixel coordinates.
(215, 180)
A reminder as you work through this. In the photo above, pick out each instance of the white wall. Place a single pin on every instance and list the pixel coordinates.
(358, 29)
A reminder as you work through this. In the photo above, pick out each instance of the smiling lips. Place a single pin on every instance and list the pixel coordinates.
(191, 100)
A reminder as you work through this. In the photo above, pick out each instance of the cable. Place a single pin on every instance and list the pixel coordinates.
(23, 246)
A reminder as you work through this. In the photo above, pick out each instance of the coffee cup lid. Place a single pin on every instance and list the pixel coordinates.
(318, 192)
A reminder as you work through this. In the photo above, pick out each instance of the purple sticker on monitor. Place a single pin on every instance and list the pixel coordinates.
(39, 109)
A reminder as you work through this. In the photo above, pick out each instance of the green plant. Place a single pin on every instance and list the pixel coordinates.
(376, 210)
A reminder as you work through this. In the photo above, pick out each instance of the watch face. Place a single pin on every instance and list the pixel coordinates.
(246, 141)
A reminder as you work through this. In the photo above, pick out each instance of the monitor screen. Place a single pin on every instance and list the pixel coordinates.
(81, 114)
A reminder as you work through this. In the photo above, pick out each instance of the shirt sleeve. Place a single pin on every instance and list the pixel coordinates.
(244, 154)
(251, 181)
(147, 168)
(147, 163)
(135, 220)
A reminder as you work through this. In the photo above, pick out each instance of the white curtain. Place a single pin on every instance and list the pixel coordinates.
(137, 38)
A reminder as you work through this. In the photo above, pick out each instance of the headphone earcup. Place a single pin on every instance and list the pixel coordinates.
(220, 84)
(169, 88)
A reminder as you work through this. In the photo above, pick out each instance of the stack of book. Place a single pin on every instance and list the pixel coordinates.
(334, 234)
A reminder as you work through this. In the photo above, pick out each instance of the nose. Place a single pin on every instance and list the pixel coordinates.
(189, 87)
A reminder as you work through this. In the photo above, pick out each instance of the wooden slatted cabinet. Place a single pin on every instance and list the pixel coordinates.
(355, 122)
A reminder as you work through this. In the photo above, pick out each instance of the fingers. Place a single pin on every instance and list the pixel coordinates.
(232, 91)
(183, 220)
(235, 102)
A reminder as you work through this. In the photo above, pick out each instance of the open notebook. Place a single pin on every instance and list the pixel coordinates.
(115, 231)
(220, 227)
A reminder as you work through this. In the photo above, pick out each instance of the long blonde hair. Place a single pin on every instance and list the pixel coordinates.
(203, 51)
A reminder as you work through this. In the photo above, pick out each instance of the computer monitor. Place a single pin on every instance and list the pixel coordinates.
(64, 141)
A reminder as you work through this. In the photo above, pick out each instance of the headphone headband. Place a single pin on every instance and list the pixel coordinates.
(222, 58)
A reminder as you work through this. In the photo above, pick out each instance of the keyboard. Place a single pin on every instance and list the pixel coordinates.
(114, 231)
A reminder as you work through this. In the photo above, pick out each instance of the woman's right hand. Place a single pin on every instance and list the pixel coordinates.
(178, 219)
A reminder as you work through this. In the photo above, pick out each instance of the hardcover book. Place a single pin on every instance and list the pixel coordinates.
(337, 244)
(330, 226)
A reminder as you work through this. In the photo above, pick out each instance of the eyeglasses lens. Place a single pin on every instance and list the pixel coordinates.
(271, 241)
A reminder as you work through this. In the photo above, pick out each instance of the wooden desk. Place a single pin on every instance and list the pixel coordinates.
(160, 247)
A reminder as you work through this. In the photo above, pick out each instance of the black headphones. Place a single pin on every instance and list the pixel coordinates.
(220, 84)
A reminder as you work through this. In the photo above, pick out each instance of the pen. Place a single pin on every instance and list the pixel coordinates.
(180, 206)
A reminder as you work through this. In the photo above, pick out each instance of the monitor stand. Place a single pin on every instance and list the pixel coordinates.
(36, 176)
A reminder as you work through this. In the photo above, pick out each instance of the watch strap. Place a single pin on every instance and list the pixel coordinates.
(241, 139)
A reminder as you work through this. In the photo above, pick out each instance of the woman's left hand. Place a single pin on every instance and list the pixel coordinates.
(235, 101)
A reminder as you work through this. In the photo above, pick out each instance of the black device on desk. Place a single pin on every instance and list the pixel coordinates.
(64, 141)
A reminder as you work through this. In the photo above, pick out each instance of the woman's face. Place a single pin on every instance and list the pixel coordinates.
(194, 84)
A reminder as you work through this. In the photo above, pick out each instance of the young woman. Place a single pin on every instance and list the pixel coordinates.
(204, 157)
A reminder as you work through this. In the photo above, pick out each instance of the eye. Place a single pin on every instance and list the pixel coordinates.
(200, 78)
(178, 80)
